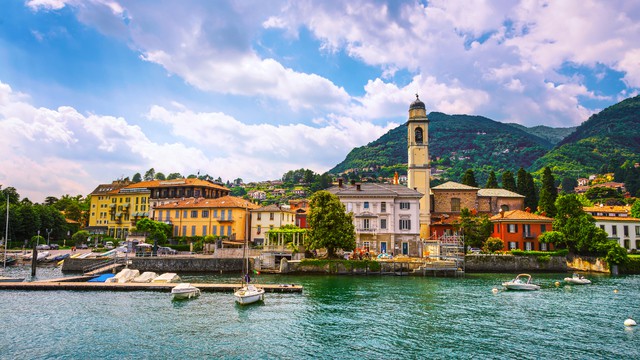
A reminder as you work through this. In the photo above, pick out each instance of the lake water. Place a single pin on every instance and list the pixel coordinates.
(344, 317)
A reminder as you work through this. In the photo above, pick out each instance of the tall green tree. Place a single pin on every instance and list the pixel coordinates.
(150, 174)
(174, 176)
(492, 181)
(521, 183)
(635, 209)
(331, 227)
(156, 230)
(469, 179)
(136, 178)
(548, 193)
(475, 228)
(508, 181)
(569, 184)
(160, 176)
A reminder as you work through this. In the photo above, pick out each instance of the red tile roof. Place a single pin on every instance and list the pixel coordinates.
(222, 202)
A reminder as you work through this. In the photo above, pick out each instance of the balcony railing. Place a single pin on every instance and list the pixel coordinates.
(366, 230)
(530, 235)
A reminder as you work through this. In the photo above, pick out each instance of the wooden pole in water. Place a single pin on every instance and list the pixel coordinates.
(34, 260)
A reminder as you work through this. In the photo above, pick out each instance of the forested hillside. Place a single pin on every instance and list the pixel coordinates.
(610, 138)
(456, 143)
(553, 135)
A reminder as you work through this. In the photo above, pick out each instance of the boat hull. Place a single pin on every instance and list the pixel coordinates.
(245, 296)
(577, 281)
(186, 295)
(521, 287)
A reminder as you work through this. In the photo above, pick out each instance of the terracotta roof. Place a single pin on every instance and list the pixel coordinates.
(222, 202)
(108, 188)
(375, 189)
(176, 182)
(616, 218)
(609, 209)
(451, 185)
(498, 193)
(272, 208)
(443, 219)
(519, 215)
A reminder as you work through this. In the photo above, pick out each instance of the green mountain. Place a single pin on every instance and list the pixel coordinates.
(456, 143)
(611, 138)
(553, 135)
(460, 142)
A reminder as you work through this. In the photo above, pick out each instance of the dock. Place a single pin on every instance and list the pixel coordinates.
(163, 287)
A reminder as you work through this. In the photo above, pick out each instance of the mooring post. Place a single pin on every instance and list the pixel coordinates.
(34, 260)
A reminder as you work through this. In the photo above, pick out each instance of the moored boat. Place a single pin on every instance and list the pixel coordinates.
(184, 291)
(167, 278)
(577, 279)
(10, 279)
(521, 282)
(249, 294)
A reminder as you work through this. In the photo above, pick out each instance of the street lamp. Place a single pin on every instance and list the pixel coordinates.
(38, 239)
(48, 233)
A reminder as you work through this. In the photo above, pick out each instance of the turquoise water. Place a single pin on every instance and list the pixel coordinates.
(335, 317)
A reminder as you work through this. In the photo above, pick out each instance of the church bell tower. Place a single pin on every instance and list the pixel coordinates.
(419, 170)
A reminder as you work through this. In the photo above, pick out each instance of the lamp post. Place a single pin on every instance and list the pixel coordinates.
(38, 238)
(48, 233)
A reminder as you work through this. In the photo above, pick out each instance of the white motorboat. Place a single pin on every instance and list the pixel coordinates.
(521, 282)
(167, 278)
(124, 276)
(577, 279)
(42, 255)
(184, 291)
(249, 294)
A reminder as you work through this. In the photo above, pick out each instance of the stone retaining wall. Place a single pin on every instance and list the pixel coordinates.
(164, 264)
(511, 263)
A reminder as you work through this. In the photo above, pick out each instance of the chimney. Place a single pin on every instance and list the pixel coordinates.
(501, 213)
(358, 187)
(395, 178)
(527, 209)
(353, 182)
(339, 182)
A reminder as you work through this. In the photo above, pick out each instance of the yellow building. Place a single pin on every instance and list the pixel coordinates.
(117, 207)
(227, 217)
(114, 209)
(268, 218)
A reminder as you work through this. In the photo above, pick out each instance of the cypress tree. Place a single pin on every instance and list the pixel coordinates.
(521, 185)
(530, 196)
(548, 193)
(469, 179)
(492, 182)
(508, 182)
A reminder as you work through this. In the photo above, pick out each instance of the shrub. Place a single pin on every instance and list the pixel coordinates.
(492, 245)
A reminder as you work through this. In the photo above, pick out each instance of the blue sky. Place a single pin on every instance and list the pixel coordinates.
(94, 90)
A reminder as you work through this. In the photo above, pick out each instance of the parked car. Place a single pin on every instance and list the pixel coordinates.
(165, 250)
(54, 246)
(83, 246)
(42, 247)
(108, 245)
(474, 250)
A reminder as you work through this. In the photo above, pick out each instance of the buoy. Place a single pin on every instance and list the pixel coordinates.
(494, 290)
(615, 291)
(630, 322)
(557, 283)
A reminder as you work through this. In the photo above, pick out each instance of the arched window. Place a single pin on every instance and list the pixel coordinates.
(504, 207)
(419, 135)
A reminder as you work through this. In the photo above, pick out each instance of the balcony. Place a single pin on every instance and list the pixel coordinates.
(367, 230)
(226, 220)
(530, 235)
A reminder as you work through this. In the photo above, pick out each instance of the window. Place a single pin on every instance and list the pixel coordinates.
(366, 204)
(215, 213)
(270, 216)
(184, 230)
(221, 230)
(625, 230)
(194, 214)
(626, 244)
(383, 223)
(204, 230)
(205, 213)
(455, 204)
(365, 224)
(221, 214)
(405, 206)
(349, 207)
(193, 230)
(229, 230)
(405, 224)
(512, 228)
(543, 228)
(259, 216)
(229, 214)
(504, 208)
(214, 230)
(637, 244)
(513, 245)
(175, 231)
(614, 230)
(543, 247)
(526, 228)
(185, 214)
(418, 133)
(259, 229)
(383, 207)
(602, 227)
(497, 228)
(160, 214)
(528, 245)
(637, 230)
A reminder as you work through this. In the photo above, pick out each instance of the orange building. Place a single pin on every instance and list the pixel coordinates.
(520, 229)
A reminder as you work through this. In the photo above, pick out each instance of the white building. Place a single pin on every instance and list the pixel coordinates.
(617, 222)
(386, 216)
